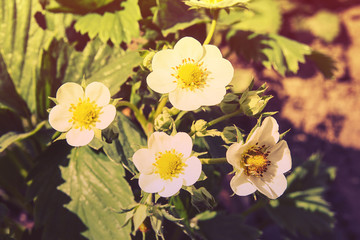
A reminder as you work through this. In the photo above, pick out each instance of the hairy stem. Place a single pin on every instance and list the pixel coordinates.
(138, 115)
(212, 27)
(212, 160)
(222, 118)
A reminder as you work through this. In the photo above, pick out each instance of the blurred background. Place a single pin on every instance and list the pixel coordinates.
(323, 114)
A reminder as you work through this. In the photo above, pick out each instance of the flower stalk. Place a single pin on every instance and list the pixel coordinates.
(212, 160)
(224, 117)
(138, 115)
(212, 27)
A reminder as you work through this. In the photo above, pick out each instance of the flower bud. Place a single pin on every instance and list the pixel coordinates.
(163, 121)
(254, 104)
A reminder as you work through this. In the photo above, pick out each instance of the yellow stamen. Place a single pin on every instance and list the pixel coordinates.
(254, 161)
(85, 114)
(190, 74)
(169, 164)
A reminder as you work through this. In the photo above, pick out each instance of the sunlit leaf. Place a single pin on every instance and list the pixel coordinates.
(21, 40)
(118, 26)
(129, 140)
(98, 191)
(272, 50)
(262, 16)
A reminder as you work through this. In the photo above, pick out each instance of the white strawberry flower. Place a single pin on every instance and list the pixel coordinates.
(192, 74)
(166, 165)
(79, 113)
(216, 4)
(261, 162)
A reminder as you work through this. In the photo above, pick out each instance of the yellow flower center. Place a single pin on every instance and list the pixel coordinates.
(190, 74)
(213, 1)
(85, 114)
(169, 164)
(254, 161)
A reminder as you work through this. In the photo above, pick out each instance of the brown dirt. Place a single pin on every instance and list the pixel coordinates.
(323, 114)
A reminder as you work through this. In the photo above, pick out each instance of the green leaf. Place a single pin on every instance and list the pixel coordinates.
(272, 50)
(230, 103)
(293, 52)
(231, 134)
(229, 227)
(139, 216)
(172, 16)
(48, 77)
(98, 62)
(52, 219)
(262, 16)
(80, 5)
(97, 190)
(11, 137)
(118, 26)
(9, 98)
(21, 40)
(201, 199)
(302, 210)
(129, 140)
(115, 73)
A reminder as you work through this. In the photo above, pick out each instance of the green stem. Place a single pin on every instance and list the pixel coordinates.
(159, 108)
(146, 199)
(138, 114)
(212, 27)
(212, 160)
(222, 118)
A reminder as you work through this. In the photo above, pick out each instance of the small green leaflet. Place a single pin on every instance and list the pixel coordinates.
(118, 26)
(284, 54)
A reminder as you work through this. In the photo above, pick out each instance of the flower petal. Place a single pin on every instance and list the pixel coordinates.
(221, 71)
(267, 134)
(59, 117)
(280, 157)
(234, 153)
(171, 187)
(272, 188)
(165, 60)
(185, 100)
(159, 142)
(212, 51)
(143, 160)
(77, 137)
(161, 81)
(212, 95)
(69, 93)
(151, 183)
(192, 171)
(106, 117)
(98, 92)
(189, 47)
(182, 143)
(241, 186)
